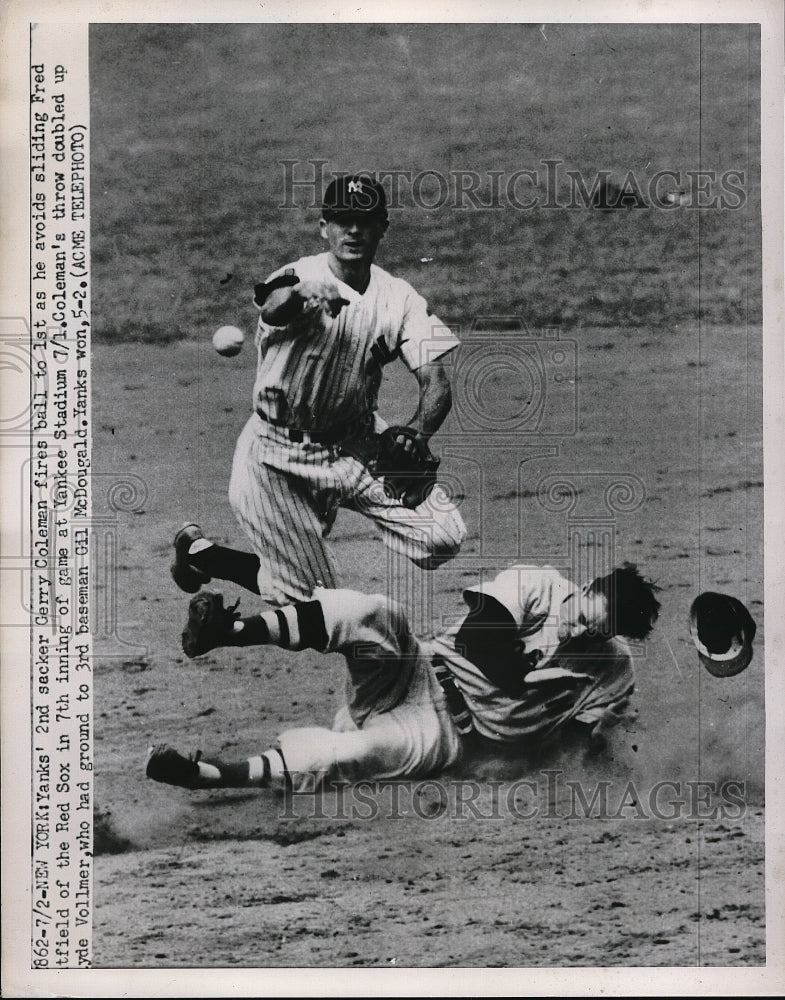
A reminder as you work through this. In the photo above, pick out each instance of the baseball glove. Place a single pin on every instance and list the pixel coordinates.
(407, 469)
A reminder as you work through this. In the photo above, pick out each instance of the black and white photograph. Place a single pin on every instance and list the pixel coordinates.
(400, 503)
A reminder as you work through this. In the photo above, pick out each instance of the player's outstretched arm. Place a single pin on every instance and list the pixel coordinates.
(435, 398)
(284, 305)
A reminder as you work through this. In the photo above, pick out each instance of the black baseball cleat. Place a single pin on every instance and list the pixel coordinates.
(166, 765)
(185, 575)
(209, 624)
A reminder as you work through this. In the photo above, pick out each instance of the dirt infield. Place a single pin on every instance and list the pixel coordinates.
(185, 879)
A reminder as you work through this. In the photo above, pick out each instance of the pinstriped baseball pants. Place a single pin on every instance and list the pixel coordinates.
(286, 497)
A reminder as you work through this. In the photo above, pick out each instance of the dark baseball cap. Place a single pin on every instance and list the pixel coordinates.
(722, 630)
(355, 194)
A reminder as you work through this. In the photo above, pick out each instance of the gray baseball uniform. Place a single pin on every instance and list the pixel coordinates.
(404, 717)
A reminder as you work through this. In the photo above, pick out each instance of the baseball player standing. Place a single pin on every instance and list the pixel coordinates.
(533, 654)
(328, 325)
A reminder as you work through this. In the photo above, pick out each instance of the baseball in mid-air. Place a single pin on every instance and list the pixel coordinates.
(228, 340)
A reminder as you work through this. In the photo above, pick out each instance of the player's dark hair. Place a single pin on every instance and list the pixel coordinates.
(633, 607)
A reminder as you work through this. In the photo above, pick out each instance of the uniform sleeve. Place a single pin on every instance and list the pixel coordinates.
(264, 331)
(423, 338)
(609, 697)
(536, 591)
(526, 591)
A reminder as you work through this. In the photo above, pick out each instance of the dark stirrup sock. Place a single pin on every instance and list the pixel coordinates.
(296, 626)
(223, 563)
(254, 632)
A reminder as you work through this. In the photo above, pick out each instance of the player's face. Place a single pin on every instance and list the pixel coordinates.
(353, 238)
(584, 613)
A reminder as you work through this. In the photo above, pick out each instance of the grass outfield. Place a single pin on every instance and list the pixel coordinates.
(191, 123)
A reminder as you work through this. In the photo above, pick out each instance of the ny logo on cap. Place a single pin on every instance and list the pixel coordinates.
(355, 187)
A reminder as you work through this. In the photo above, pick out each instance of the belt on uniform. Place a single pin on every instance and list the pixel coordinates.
(456, 703)
(333, 435)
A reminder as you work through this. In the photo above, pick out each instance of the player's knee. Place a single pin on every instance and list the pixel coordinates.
(378, 611)
(444, 543)
(448, 545)
(436, 559)
(449, 533)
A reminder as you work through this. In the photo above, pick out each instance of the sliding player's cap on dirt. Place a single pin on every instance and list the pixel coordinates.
(722, 630)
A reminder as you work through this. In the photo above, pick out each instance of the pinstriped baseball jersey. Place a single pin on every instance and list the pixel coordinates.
(320, 372)
(323, 374)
